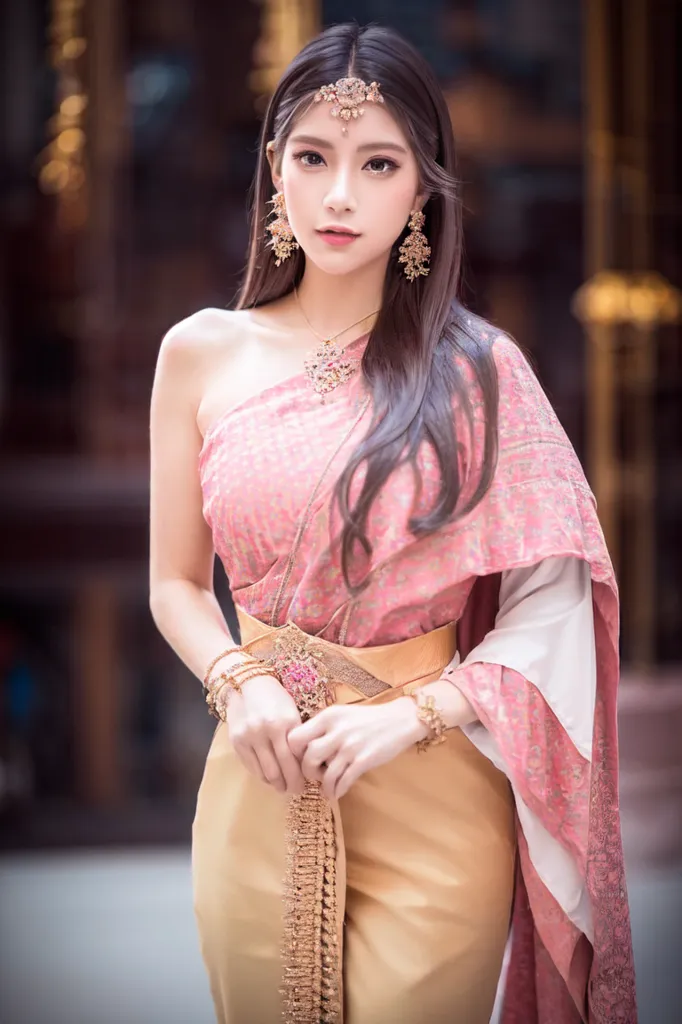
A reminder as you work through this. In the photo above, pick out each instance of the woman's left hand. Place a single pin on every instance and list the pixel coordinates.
(342, 742)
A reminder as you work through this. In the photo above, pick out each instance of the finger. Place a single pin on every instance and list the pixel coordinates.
(318, 755)
(336, 768)
(251, 763)
(289, 766)
(300, 736)
(265, 752)
(345, 781)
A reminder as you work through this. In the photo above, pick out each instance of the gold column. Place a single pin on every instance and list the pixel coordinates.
(639, 611)
(622, 308)
(598, 228)
(107, 149)
(96, 708)
(63, 164)
(96, 701)
(287, 25)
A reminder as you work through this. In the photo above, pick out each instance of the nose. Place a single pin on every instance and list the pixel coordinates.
(340, 198)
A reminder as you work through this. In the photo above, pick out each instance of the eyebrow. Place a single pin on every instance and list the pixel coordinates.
(311, 140)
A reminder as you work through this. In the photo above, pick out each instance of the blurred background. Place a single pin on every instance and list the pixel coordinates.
(128, 134)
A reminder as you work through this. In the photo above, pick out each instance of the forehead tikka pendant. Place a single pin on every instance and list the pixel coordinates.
(347, 96)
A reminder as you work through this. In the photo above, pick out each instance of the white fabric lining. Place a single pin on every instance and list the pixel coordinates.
(544, 630)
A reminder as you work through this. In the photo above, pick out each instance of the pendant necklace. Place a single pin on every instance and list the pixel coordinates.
(327, 366)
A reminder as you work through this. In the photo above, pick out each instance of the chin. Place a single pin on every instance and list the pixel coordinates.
(336, 263)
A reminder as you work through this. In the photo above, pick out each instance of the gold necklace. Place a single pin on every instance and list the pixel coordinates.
(327, 366)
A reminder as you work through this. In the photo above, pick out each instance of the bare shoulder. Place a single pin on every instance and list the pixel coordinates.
(192, 348)
(197, 337)
(189, 353)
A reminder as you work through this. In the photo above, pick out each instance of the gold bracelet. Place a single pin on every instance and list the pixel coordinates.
(231, 684)
(432, 718)
(230, 680)
(237, 674)
(212, 700)
(208, 682)
(219, 657)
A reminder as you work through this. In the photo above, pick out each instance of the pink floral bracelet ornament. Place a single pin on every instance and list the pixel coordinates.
(347, 96)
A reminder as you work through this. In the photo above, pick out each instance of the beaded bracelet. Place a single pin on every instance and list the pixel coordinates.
(432, 718)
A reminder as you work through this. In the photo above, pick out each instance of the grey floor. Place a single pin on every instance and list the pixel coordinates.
(106, 938)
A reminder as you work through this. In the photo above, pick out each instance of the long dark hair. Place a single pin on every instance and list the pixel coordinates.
(410, 362)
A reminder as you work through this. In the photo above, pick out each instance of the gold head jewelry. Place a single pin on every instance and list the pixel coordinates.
(347, 96)
(415, 250)
(282, 242)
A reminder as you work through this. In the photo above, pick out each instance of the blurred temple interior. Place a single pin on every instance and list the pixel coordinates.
(127, 143)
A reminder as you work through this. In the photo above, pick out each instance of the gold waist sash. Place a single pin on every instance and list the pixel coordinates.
(353, 673)
(317, 673)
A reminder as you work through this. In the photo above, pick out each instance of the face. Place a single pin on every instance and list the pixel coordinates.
(365, 182)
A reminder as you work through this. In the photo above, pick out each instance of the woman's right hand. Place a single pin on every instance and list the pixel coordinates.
(259, 720)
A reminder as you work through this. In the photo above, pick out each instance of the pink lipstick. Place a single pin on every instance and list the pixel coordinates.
(337, 235)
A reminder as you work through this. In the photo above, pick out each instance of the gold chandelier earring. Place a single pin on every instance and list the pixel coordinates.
(415, 250)
(282, 241)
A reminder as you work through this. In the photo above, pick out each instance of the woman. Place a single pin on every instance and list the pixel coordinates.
(418, 731)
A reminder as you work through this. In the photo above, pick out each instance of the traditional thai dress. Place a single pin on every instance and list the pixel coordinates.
(395, 904)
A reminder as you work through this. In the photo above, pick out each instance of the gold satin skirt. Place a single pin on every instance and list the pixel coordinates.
(390, 906)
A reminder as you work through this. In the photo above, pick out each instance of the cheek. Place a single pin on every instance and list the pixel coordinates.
(389, 209)
(300, 199)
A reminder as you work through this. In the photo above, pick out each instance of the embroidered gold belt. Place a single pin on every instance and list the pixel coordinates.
(318, 673)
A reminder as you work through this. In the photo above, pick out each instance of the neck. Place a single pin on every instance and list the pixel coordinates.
(333, 302)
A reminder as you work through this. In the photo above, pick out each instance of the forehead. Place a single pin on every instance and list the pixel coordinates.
(377, 124)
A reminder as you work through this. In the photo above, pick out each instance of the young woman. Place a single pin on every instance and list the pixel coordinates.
(416, 748)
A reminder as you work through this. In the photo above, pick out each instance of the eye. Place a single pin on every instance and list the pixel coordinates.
(309, 158)
(381, 165)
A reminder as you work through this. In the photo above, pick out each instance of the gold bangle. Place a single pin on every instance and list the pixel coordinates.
(253, 663)
(244, 666)
(239, 674)
(214, 691)
(219, 657)
(212, 700)
(432, 718)
(229, 679)
(209, 682)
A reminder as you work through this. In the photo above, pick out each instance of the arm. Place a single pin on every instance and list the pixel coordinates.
(181, 597)
(544, 631)
(450, 701)
(182, 600)
(544, 622)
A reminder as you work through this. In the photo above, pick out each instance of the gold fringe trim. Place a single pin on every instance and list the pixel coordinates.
(310, 953)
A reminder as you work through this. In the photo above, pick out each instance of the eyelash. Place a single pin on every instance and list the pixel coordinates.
(391, 165)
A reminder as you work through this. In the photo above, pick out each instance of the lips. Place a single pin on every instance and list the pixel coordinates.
(337, 236)
(337, 231)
